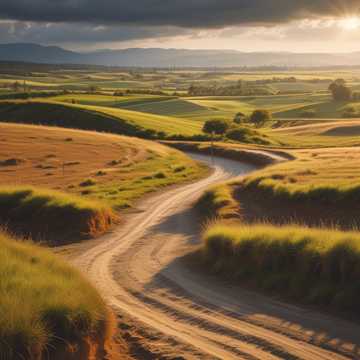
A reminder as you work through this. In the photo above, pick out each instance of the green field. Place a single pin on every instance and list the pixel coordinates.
(92, 117)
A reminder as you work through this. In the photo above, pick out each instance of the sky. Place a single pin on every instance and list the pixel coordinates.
(244, 25)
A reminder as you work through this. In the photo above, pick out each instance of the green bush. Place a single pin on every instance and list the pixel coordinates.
(260, 117)
(216, 126)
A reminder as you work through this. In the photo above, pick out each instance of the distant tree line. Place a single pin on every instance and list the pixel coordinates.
(241, 88)
(139, 92)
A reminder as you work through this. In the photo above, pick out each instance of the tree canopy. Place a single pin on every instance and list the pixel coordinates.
(340, 91)
(260, 117)
(216, 126)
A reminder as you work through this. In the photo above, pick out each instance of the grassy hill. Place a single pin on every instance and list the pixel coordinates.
(93, 175)
(46, 307)
(318, 187)
(290, 229)
(315, 133)
(99, 118)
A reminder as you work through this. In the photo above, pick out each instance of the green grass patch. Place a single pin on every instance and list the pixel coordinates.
(99, 118)
(45, 305)
(175, 168)
(315, 266)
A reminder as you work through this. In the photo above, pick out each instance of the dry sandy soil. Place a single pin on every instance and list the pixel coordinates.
(167, 311)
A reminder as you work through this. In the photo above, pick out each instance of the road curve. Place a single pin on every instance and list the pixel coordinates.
(140, 269)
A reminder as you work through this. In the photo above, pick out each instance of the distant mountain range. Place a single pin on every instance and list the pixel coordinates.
(139, 57)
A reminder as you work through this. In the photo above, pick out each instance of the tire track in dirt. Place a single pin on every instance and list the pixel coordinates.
(139, 269)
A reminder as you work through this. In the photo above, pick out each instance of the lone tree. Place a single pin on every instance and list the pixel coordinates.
(260, 117)
(339, 90)
(215, 126)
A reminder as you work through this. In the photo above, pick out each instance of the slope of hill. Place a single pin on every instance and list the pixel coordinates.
(155, 57)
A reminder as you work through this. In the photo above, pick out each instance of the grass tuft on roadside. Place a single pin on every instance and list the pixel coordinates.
(218, 202)
(316, 266)
(45, 305)
(50, 215)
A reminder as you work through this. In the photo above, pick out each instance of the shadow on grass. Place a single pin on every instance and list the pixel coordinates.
(187, 279)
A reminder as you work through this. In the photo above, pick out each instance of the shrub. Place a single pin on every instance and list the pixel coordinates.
(179, 169)
(160, 175)
(260, 117)
(88, 182)
(12, 162)
(216, 126)
(241, 134)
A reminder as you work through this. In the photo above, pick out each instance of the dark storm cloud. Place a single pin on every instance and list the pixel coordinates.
(182, 13)
(66, 33)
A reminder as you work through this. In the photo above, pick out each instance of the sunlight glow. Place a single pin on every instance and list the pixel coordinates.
(351, 23)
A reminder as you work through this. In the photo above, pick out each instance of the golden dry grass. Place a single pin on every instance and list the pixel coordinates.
(112, 168)
(56, 157)
(336, 167)
(45, 304)
(316, 266)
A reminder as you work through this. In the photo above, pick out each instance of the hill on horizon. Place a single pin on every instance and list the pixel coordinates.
(157, 57)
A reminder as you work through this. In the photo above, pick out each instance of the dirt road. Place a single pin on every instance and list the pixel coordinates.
(174, 312)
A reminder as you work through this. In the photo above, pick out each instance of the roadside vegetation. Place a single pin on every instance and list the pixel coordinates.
(315, 266)
(218, 203)
(42, 214)
(47, 309)
(290, 229)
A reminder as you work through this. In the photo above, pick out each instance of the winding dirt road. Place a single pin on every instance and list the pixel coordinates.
(141, 270)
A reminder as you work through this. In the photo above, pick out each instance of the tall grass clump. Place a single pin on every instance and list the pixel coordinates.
(52, 215)
(218, 202)
(340, 194)
(316, 266)
(45, 306)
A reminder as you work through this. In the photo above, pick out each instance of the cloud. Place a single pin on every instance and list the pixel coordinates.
(85, 35)
(179, 13)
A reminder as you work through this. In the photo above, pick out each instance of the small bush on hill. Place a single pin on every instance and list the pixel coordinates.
(260, 117)
(216, 126)
(246, 135)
